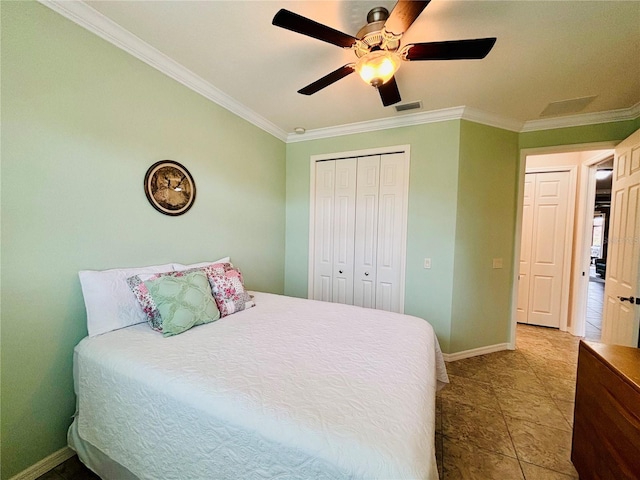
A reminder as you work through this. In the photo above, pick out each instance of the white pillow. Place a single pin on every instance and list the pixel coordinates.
(178, 267)
(109, 301)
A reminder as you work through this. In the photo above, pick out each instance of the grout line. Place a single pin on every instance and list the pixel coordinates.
(504, 419)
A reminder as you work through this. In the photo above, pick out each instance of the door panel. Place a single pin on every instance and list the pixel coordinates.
(628, 270)
(546, 211)
(546, 252)
(366, 228)
(542, 294)
(323, 288)
(621, 319)
(323, 234)
(343, 233)
(342, 291)
(525, 249)
(616, 230)
(385, 296)
(365, 294)
(390, 235)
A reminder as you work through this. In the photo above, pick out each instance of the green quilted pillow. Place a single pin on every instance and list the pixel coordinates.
(183, 302)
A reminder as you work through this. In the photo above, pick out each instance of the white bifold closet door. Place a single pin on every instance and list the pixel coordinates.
(359, 230)
(334, 230)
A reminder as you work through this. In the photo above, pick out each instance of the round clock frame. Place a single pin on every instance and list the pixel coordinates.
(169, 187)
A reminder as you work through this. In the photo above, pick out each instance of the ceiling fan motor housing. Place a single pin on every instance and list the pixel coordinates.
(373, 34)
(377, 14)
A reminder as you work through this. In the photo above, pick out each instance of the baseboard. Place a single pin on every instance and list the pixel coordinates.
(452, 357)
(44, 465)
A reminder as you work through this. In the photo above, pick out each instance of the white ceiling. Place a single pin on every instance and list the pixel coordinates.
(547, 51)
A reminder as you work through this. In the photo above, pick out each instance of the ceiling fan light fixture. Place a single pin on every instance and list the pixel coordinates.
(378, 67)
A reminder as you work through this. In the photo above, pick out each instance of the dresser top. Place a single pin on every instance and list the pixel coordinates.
(624, 360)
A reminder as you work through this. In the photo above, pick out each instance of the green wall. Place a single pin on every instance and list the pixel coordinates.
(602, 132)
(485, 225)
(431, 219)
(81, 123)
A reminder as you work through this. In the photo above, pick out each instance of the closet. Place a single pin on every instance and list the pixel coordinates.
(546, 229)
(358, 224)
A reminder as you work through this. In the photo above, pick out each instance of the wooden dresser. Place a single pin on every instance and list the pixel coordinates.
(606, 424)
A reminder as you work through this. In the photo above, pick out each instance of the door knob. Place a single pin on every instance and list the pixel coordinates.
(631, 300)
(366, 274)
(340, 271)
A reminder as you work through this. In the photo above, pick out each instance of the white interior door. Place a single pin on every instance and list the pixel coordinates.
(546, 262)
(621, 317)
(323, 233)
(344, 230)
(391, 204)
(522, 307)
(366, 238)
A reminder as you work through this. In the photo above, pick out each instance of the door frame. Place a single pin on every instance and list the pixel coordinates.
(584, 223)
(404, 149)
(581, 183)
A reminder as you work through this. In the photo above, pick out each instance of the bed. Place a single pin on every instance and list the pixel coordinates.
(288, 389)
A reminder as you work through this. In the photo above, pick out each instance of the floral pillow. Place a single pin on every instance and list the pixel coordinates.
(229, 292)
(149, 307)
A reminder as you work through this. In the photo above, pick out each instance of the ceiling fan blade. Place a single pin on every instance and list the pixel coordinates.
(327, 80)
(389, 92)
(473, 49)
(305, 26)
(403, 15)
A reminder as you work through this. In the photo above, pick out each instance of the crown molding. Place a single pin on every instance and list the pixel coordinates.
(492, 120)
(455, 113)
(92, 20)
(473, 115)
(433, 116)
(579, 120)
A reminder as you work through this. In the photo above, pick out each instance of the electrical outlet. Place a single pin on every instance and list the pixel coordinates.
(497, 263)
(427, 263)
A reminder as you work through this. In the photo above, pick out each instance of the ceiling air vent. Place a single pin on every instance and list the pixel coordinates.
(566, 107)
(408, 106)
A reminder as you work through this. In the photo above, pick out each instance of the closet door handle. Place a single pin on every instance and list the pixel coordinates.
(366, 274)
(340, 271)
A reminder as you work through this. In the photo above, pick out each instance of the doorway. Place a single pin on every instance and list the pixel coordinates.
(599, 249)
(580, 161)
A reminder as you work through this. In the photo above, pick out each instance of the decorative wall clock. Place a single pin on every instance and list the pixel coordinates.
(169, 187)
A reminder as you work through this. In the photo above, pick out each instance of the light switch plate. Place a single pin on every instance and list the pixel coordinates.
(427, 263)
(497, 263)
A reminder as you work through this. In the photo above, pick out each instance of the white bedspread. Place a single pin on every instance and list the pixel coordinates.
(291, 388)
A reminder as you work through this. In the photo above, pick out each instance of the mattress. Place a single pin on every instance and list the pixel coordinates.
(290, 388)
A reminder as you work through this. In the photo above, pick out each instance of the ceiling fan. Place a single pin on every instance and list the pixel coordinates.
(377, 46)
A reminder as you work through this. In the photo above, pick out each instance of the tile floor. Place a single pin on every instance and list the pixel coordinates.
(593, 325)
(505, 416)
(509, 415)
